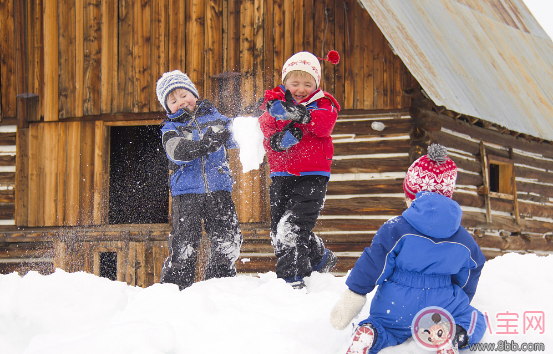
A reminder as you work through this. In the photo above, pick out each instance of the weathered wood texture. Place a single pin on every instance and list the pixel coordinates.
(103, 59)
(90, 57)
(64, 180)
(533, 174)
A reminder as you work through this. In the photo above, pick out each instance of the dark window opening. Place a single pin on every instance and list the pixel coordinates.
(108, 265)
(501, 178)
(494, 178)
(138, 176)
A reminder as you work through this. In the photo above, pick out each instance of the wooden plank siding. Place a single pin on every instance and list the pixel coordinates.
(103, 58)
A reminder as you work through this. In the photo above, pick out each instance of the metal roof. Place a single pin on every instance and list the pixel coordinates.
(488, 59)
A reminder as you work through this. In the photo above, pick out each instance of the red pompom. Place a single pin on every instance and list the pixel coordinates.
(333, 57)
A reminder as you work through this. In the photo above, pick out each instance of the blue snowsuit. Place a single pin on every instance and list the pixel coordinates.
(201, 185)
(420, 259)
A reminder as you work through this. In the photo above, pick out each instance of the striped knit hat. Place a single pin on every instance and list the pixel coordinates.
(433, 172)
(170, 81)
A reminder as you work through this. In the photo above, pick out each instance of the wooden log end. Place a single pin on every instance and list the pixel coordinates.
(482, 190)
(526, 237)
(472, 120)
(413, 92)
(479, 233)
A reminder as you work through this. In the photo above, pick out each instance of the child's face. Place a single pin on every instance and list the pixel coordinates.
(181, 98)
(300, 86)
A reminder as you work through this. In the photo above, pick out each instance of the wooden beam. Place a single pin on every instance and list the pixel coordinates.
(22, 178)
(514, 184)
(485, 176)
(101, 174)
(27, 109)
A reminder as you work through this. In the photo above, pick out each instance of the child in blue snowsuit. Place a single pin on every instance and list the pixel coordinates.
(196, 138)
(420, 259)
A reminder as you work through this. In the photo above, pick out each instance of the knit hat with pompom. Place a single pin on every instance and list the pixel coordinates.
(303, 61)
(433, 172)
(171, 81)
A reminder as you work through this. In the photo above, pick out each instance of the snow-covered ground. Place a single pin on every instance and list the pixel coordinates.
(81, 313)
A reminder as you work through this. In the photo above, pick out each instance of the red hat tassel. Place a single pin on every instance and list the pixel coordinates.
(332, 57)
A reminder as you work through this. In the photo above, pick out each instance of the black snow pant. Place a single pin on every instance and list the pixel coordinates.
(296, 202)
(221, 225)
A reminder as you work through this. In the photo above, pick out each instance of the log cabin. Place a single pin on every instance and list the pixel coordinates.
(83, 175)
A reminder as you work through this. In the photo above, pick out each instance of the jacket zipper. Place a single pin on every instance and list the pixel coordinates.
(204, 176)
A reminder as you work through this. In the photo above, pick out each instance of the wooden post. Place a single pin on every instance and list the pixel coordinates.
(27, 109)
(514, 184)
(22, 178)
(484, 161)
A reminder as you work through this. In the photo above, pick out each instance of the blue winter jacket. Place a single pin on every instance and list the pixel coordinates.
(427, 239)
(192, 172)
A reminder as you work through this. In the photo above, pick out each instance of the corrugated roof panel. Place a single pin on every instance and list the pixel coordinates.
(488, 59)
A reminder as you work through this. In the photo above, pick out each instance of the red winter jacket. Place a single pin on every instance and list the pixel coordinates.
(315, 150)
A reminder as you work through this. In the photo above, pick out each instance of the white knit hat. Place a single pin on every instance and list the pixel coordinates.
(170, 81)
(303, 61)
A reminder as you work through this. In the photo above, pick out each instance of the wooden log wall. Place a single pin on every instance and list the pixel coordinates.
(103, 59)
(521, 222)
(7, 174)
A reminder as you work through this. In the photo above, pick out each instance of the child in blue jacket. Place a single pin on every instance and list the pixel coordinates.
(421, 259)
(196, 138)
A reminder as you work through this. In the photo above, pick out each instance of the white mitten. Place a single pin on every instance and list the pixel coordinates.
(349, 306)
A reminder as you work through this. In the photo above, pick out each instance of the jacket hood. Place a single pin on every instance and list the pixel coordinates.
(434, 215)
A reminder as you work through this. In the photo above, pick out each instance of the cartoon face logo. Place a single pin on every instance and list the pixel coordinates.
(433, 328)
(438, 334)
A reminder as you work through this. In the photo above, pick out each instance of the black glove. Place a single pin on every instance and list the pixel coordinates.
(218, 139)
(211, 141)
(221, 136)
(206, 142)
(285, 139)
(288, 110)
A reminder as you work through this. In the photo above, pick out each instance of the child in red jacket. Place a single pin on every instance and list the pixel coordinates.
(297, 124)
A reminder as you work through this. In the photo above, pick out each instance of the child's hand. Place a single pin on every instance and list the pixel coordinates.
(288, 110)
(220, 137)
(211, 141)
(285, 139)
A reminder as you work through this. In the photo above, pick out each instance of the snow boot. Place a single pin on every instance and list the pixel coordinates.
(327, 263)
(298, 285)
(363, 339)
(448, 348)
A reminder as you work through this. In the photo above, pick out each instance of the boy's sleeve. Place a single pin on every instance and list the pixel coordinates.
(231, 142)
(323, 118)
(377, 261)
(180, 148)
